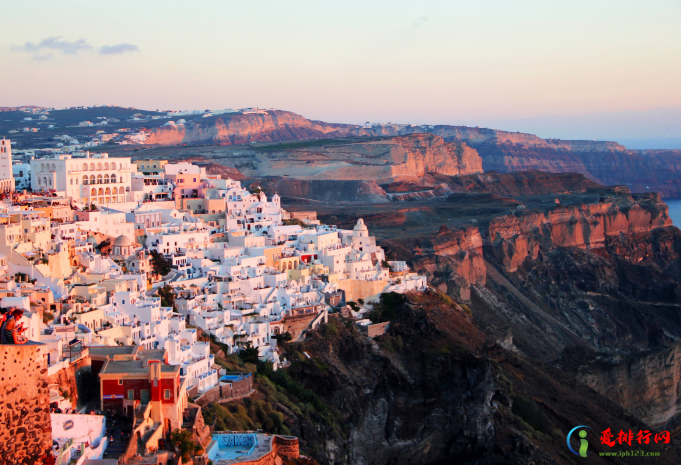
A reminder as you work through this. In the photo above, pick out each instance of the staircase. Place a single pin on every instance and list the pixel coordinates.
(117, 448)
(142, 442)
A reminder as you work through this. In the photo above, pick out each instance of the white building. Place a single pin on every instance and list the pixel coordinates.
(22, 176)
(6, 178)
(93, 179)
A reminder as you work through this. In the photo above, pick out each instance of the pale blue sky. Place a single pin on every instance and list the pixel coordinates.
(454, 62)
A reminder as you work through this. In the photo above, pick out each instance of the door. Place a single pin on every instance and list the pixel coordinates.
(144, 396)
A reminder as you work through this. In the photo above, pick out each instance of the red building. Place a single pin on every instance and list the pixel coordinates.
(132, 379)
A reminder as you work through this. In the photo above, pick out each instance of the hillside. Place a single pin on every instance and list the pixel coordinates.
(244, 128)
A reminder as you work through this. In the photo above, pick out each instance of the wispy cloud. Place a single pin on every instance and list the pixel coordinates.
(418, 23)
(117, 49)
(43, 57)
(55, 43)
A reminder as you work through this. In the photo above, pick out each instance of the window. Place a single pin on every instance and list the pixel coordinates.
(120, 382)
(131, 394)
(166, 394)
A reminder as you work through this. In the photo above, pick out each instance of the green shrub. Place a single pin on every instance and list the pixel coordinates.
(531, 414)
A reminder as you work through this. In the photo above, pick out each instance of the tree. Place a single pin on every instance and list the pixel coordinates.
(184, 441)
(283, 337)
(167, 296)
(160, 264)
(249, 354)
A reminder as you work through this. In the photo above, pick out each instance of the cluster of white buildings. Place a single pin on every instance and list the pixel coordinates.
(157, 258)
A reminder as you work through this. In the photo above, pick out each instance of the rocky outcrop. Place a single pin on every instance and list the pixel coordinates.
(384, 160)
(516, 237)
(452, 260)
(435, 389)
(240, 128)
(413, 406)
(647, 385)
(605, 162)
(523, 183)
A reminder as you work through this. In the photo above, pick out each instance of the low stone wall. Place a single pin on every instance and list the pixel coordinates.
(357, 289)
(67, 377)
(25, 426)
(295, 325)
(286, 446)
(224, 392)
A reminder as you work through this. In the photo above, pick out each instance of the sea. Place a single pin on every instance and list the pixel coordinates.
(674, 211)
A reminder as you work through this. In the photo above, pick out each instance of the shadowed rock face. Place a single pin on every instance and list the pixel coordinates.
(603, 276)
(646, 384)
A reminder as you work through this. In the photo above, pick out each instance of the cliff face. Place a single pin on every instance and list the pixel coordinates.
(384, 160)
(434, 389)
(238, 128)
(605, 162)
(647, 385)
(515, 237)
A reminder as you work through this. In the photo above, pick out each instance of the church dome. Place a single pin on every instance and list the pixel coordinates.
(360, 226)
(122, 241)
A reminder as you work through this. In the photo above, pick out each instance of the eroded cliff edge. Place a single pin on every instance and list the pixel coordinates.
(603, 277)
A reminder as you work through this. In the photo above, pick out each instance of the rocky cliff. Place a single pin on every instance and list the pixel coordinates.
(378, 160)
(605, 162)
(513, 238)
(592, 287)
(645, 384)
(240, 128)
(434, 389)
(608, 163)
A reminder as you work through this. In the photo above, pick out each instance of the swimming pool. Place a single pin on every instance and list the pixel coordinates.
(231, 378)
(231, 446)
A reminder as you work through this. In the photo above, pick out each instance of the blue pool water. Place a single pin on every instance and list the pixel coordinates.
(232, 446)
(232, 378)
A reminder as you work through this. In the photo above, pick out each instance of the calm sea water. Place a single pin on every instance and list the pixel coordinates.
(674, 211)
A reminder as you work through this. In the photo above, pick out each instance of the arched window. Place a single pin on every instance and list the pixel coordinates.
(101, 191)
(113, 165)
(106, 179)
(106, 166)
(93, 192)
(84, 166)
(122, 178)
(92, 166)
(107, 191)
(42, 167)
(92, 179)
(113, 178)
(54, 167)
(99, 167)
(290, 265)
(99, 179)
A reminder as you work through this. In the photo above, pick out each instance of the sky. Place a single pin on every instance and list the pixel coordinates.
(476, 63)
